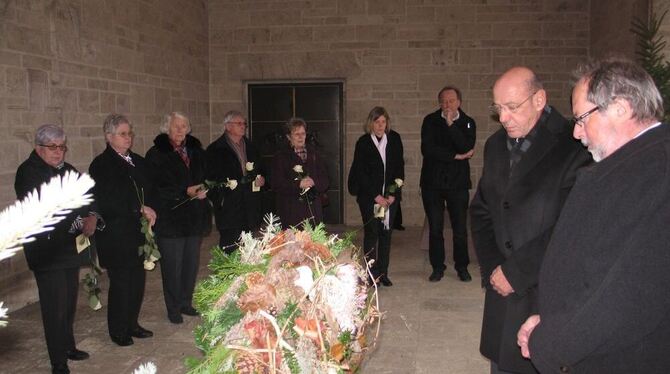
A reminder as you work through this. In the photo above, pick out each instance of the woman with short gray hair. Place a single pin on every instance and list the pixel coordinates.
(124, 194)
(178, 162)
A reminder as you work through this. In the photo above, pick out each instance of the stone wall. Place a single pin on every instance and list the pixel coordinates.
(72, 62)
(398, 54)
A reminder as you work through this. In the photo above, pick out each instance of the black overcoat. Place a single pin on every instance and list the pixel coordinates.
(366, 176)
(290, 208)
(117, 184)
(604, 301)
(439, 145)
(513, 215)
(233, 209)
(171, 177)
(55, 249)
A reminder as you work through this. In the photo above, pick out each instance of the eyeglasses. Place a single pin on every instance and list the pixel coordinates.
(54, 147)
(512, 108)
(129, 134)
(579, 121)
(238, 122)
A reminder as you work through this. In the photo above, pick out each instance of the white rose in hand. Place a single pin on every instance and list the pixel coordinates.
(249, 166)
(398, 182)
(231, 183)
(149, 265)
(298, 169)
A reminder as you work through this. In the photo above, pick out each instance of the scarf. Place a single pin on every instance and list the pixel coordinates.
(381, 148)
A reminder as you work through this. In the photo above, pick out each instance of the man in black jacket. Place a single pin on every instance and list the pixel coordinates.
(53, 256)
(604, 305)
(447, 141)
(530, 165)
(234, 158)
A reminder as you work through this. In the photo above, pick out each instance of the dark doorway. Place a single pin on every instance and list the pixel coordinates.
(321, 106)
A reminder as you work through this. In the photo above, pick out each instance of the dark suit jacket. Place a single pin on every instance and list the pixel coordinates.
(55, 249)
(512, 220)
(290, 209)
(119, 205)
(238, 208)
(366, 176)
(171, 177)
(439, 144)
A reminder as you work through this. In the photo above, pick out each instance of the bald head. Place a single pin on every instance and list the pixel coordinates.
(518, 99)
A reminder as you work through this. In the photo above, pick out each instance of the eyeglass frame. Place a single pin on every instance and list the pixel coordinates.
(497, 109)
(129, 134)
(54, 147)
(579, 120)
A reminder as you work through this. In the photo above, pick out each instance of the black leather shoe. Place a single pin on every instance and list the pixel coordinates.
(76, 355)
(399, 228)
(464, 275)
(141, 332)
(175, 318)
(386, 281)
(122, 340)
(60, 369)
(189, 311)
(436, 276)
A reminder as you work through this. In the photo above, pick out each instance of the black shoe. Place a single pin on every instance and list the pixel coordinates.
(399, 228)
(76, 355)
(436, 276)
(175, 318)
(464, 275)
(60, 369)
(386, 281)
(189, 311)
(122, 340)
(141, 332)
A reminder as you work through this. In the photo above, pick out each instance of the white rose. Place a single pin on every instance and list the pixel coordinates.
(97, 306)
(379, 211)
(305, 278)
(249, 166)
(149, 265)
(298, 169)
(398, 182)
(232, 184)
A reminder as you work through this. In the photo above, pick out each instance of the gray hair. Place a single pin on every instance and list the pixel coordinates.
(113, 121)
(168, 118)
(48, 133)
(619, 78)
(231, 115)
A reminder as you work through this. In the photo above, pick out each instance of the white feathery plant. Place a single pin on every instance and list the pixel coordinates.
(148, 368)
(39, 211)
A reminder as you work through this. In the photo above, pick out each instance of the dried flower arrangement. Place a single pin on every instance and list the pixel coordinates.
(283, 303)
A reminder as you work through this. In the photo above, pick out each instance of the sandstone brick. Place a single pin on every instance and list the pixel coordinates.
(34, 62)
(17, 82)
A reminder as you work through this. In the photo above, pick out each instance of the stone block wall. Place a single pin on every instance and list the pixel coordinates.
(72, 62)
(398, 54)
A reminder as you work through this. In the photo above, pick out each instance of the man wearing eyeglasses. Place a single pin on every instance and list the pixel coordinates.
(604, 305)
(447, 142)
(53, 256)
(530, 166)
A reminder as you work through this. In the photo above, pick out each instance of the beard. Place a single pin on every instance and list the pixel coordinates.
(596, 152)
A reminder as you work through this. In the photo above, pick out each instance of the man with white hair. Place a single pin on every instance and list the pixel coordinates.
(604, 306)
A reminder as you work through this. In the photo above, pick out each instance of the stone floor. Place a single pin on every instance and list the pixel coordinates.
(428, 327)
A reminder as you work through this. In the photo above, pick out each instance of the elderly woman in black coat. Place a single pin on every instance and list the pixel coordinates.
(53, 256)
(177, 160)
(121, 179)
(299, 192)
(378, 163)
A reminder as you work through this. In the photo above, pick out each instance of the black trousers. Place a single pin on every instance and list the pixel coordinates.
(457, 206)
(377, 239)
(180, 259)
(126, 291)
(58, 289)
